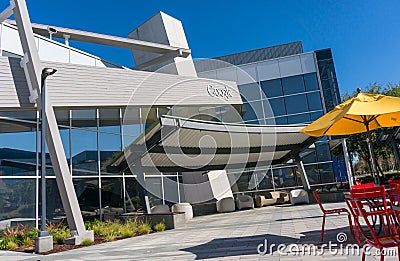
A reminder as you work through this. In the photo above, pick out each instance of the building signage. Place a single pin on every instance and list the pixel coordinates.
(223, 92)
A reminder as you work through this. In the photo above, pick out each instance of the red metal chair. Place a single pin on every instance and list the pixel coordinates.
(365, 185)
(394, 196)
(389, 237)
(331, 211)
(356, 215)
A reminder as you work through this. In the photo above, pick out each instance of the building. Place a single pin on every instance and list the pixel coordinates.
(283, 85)
(158, 129)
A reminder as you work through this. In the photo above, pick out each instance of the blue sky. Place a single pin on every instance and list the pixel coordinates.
(364, 35)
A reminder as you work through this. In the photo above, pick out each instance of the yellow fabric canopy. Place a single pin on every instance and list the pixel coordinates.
(360, 114)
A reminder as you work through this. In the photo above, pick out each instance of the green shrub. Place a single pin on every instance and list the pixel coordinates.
(110, 237)
(11, 245)
(60, 234)
(87, 242)
(127, 233)
(159, 227)
(144, 229)
(4, 241)
(28, 242)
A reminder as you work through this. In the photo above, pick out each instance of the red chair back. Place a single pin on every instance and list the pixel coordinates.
(394, 193)
(376, 207)
(315, 193)
(366, 185)
(393, 183)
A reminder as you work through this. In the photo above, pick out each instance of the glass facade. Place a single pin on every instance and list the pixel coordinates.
(92, 140)
(295, 99)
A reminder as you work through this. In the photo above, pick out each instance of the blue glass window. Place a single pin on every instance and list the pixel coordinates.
(293, 84)
(250, 92)
(296, 104)
(272, 88)
(314, 101)
(311, 82)
(277, 106)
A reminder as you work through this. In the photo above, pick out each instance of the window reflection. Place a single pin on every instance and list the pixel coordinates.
(272, 88)
(296, 104)
(17, 199)
(293, 85)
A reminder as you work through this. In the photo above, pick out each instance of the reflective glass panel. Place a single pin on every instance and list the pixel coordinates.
(272, 88)
(153, 186)
(84, 152)
(284, 177)
(314, 101)
(312, 173)
(323, 151)
(311, 82)
(326, 172)
(131, 128)
(170, 189)
(112, 198)
(265, 180)
(299, 118)
(250, 91)
(293, 84)
(87, 191)
(18, 144)
(133, 189)
(17, 199)
(84, 119)
(308, 156)
(277, 106)
(254, 111)
(296, 104)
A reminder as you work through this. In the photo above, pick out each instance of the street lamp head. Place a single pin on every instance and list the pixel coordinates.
(48, 71)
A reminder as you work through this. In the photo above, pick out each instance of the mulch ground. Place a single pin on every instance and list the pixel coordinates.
(59, 247)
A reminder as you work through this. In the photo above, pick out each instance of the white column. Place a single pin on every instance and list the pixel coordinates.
(347, 162)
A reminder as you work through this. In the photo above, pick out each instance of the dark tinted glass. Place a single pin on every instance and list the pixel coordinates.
(272, 88)
(316, 115)
(311, 82)
(250, 91)
(264, 180)
(281, 121)
(17, 199)
(326, 172)
(284, 177)
(292, 85)
(308, 156)
(112, 198)
(299, 118)
(312, 173)
(296, 104)
(84, 119)
(254, 111)
(323, 151)
(277, 106)
(314, 101)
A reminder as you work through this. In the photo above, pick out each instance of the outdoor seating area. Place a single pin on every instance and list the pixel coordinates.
(374, 210)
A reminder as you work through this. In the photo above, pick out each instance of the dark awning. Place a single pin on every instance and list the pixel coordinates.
(177, 144)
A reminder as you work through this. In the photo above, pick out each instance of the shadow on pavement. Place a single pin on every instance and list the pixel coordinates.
(250, 245)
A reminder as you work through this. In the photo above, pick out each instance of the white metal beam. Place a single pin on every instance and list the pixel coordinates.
(7, 12)
(32, 68)
(104, 39)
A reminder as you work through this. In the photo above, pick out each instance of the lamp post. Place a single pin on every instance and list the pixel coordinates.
(45, 73)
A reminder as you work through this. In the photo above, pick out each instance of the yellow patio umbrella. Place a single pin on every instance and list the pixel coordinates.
(363, 113)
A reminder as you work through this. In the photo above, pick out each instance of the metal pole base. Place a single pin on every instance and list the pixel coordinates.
(76, 239)
(43, 244)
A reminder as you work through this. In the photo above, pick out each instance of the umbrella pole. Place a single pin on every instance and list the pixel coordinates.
(375, 174)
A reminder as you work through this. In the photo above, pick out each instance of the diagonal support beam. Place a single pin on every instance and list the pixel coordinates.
(104, 39)
(7, 12)
(32, 68)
